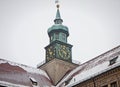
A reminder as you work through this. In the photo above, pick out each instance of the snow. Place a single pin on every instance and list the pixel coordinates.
(35, 86)
(26, 68)
(87, 74)
(41, 63)
(32, 79)
(76, 62)
(118, 59)
(47, 86)
(7, 84)
(2, 61)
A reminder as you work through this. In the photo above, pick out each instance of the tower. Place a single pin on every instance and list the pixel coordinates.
(58, 46)
(58, 52)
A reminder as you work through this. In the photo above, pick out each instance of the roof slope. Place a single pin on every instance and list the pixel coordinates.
(13, 74)
(92, 68)
(57, 69)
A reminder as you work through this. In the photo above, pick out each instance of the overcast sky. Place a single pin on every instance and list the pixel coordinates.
(94, 27)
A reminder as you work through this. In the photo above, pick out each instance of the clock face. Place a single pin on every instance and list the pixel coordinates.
(64, 52)
(50, 53)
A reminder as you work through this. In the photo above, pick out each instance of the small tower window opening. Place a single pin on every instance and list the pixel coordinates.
(51, 38)
(113, 61)
(34, 82)
(56, 35)
(114, 84)
(63, 37)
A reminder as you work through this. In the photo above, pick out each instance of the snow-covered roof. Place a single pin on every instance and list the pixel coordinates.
(26, 68)
(8, 84)
(17, 74)
(92, 68)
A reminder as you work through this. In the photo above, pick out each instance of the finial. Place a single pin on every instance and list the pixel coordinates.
(57, 3)
(58, 6)
(58, 19)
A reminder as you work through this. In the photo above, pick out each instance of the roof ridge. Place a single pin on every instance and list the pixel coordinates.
(103, 54)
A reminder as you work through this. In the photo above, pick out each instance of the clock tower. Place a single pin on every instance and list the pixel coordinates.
(58, 46)
(58, 52)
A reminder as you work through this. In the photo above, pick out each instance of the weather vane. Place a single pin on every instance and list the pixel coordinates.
(57, 3)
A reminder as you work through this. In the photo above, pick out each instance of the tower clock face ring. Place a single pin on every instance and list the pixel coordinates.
(64, 52)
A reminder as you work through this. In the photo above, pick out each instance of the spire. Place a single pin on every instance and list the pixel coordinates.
(58, 26)
(58, 19)
(58, 14)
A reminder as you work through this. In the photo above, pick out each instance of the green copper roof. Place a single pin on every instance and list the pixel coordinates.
(58, 27)
(58, 14)
(58, 24)
(58, 19)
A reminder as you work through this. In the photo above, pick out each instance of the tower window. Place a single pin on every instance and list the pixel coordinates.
(56, 35)
(63, 37)
(112, 61)
(51, 38)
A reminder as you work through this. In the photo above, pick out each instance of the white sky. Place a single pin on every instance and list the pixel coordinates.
(94, 27)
